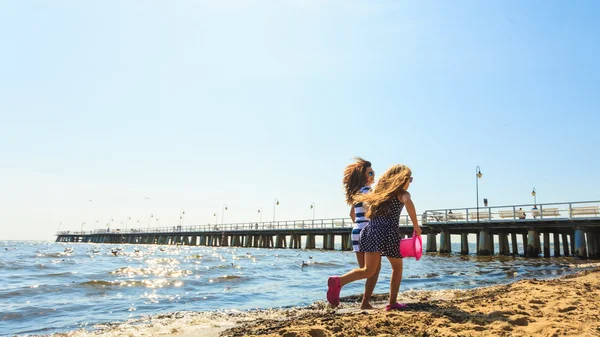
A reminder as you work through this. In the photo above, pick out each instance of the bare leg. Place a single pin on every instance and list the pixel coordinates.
(372, 262)
(396, 278)
(369, 287)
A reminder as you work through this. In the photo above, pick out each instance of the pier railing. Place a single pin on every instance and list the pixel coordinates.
(517, 213)
(339, 223)
(565, 211)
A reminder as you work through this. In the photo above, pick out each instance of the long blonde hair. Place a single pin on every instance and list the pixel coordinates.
(354, 178)
(387, 188)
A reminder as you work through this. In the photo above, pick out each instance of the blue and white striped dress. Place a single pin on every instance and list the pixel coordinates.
(360, 221)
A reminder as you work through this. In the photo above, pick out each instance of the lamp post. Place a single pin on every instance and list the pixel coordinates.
(313, 207)
(534, 197)
(149, 217)
(181, 214)
(478, 176)
(83, 223)
(260, 213)
(275, 204)
(216, 217)
(127, 222)
(223, 213)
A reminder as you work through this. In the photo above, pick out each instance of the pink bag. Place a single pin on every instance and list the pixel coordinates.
(412, 247)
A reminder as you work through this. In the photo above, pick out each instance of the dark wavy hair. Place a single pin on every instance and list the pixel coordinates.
(354, 178)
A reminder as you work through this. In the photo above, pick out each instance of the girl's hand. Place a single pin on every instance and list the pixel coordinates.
(417, 230)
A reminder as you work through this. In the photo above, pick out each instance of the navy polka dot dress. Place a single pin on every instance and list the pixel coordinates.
(382, 234)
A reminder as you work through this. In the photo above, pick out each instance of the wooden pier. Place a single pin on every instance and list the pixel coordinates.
(564, 229)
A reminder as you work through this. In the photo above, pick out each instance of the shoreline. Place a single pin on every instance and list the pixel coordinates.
(564, 306)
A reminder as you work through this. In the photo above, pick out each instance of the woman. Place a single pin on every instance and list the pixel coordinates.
(358, 178)
(381, 237)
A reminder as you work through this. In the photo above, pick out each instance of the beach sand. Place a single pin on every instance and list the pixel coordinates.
(567, 306)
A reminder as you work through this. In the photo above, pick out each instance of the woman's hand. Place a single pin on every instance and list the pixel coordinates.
(417, 230)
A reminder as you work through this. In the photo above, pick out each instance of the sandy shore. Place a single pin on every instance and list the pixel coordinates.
(567, 306)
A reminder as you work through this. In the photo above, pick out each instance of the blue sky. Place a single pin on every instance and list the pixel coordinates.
(197, 104)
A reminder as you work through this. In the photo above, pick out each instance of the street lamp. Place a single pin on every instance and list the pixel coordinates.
(478, 176)
(313, 207)
(260, 212)
(181, 214)
(216, 217)
(127, 222)
(83, 223)
(275, 204)
(151, 216)
(223, 213)
(534, 197)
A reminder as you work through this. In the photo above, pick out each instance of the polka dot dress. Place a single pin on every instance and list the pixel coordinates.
(382, 234)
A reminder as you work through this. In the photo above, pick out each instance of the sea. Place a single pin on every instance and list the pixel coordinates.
(49, 288)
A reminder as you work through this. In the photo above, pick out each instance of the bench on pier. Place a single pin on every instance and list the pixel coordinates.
(546, 212)
(480, 215)
(519, 214)
(456, 216)
(300, 224)
(437, 216)
(338, 223)
(587, 210)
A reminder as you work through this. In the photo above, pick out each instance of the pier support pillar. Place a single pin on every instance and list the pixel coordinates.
(445, 244)
(298, 244)
(279, 241)
(556, 245)
(591, 245)
(565, 242)
(431, 243)
(484, 243)
(491, 246)
(225, 240)
(345, 240)
(331, 242)
(515, 247)
(464, 244)
(580, 244)
(533, 243)
(524, 237)
(348, 242)
(308, 243)
(546, 244)
(504, 247)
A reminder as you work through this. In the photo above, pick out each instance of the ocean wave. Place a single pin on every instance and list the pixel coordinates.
(226, 278)
(154, 271)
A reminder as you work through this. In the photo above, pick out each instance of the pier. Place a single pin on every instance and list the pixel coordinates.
(556, 229)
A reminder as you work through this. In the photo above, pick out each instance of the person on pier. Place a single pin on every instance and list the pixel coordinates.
(381, 236)
(358, 178)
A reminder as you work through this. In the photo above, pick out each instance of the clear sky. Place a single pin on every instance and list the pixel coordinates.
(196, 104)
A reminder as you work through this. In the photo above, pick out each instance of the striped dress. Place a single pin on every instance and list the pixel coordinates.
(360, 221)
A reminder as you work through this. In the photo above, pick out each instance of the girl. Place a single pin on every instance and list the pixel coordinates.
(381, 237)
(358, 178)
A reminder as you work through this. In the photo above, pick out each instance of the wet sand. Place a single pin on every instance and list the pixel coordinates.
(567, 306)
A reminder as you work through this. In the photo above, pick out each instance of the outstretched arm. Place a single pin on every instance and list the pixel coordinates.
(404, 197)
